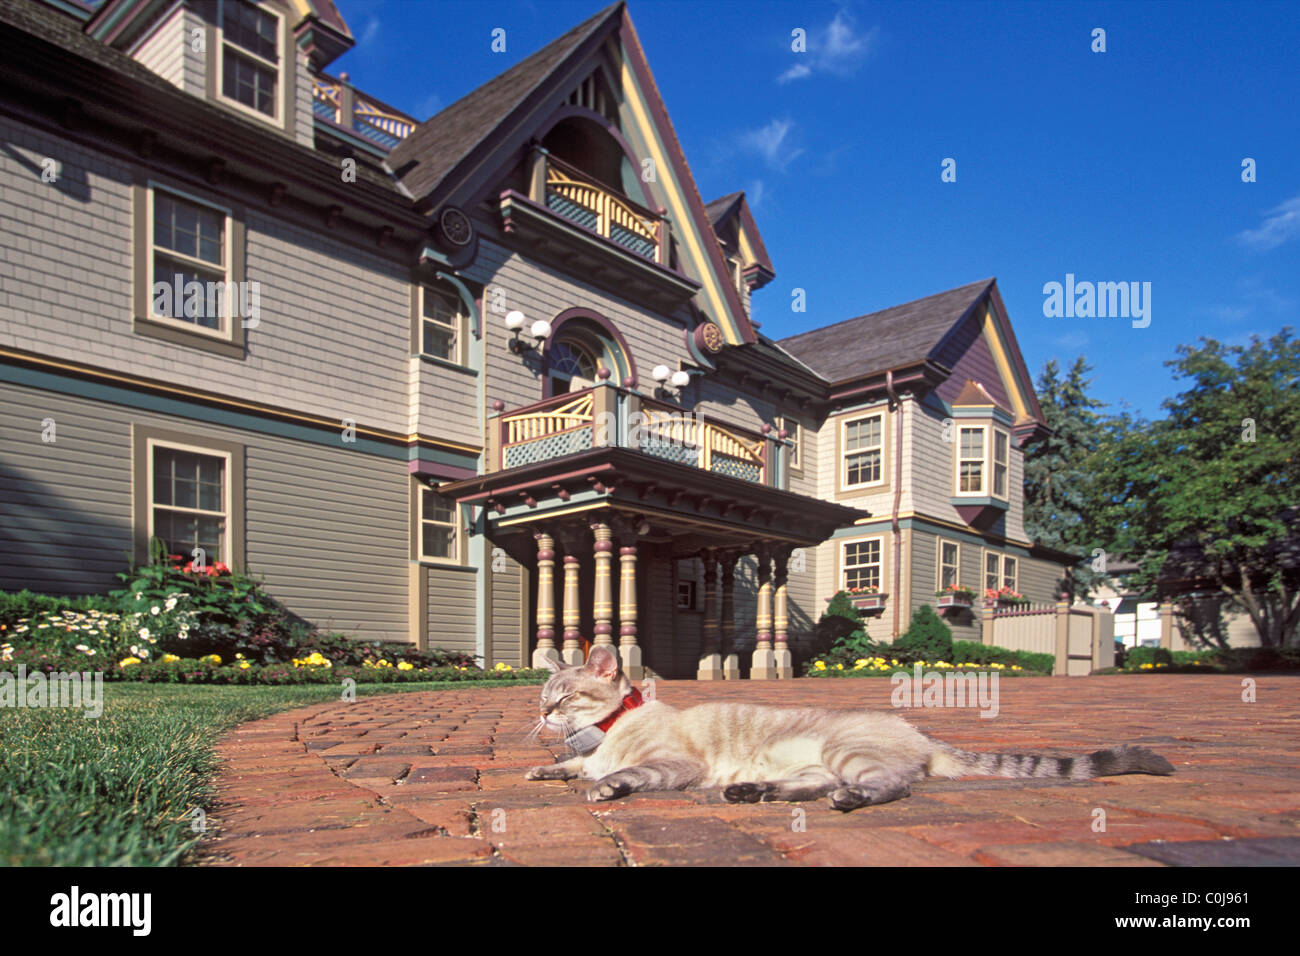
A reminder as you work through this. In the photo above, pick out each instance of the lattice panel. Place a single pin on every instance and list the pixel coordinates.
(630, 240)
(672, 451)
(736, 468)
(571, 210)
(552, 446)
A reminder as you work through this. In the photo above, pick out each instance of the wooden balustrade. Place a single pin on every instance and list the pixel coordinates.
(595, 206)
(353, 110)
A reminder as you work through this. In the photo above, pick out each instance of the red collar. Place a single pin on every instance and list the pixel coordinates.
(631, 702)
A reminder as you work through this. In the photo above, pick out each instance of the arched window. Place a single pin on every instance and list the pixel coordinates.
(573, 366)
(582, 346)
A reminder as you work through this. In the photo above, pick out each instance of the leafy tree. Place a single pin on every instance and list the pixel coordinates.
(1209, 492)
(1058, 469)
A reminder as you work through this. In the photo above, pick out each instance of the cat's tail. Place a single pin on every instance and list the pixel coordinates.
(951, 762)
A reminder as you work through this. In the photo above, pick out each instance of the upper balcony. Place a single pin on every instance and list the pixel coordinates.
(582, 224)
(609, 416)
(354, 113)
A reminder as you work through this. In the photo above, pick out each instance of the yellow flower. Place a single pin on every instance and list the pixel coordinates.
(503, 666)
(128, 661)
(168, 658)
(820, 665)
(211, 658)
(244, 665)
(406, 666)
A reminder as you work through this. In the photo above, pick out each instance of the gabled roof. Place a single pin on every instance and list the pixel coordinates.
(891, 338)
(721, 212)
(973, 393)
(441, 143)
(720, 209)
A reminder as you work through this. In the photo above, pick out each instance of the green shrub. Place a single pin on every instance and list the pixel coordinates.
(1138, 656)
(976, 653)
(19, 605)
(926, 639)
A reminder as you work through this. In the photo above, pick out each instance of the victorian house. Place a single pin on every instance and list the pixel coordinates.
(486, 381)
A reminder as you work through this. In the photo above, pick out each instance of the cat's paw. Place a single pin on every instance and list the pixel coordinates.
(747, 792)
(611, 788)
(549, 772)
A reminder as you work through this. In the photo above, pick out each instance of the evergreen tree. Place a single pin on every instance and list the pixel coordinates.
(1058, 469)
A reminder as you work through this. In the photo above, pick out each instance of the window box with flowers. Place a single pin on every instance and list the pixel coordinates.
(867, 599)
(955, 597)
(1005, 597)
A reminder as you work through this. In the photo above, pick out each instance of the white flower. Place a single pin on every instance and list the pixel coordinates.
(155, 610)
(170, 603)
(184, 632)
(139, 596)
(144, 652)
(144, 633)
(83, 648)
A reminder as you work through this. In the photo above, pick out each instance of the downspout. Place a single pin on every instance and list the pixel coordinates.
(897, 408)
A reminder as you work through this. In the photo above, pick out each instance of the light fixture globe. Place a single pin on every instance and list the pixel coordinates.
(661, 373)
(681, 379)
(515, 320)
(541, 329)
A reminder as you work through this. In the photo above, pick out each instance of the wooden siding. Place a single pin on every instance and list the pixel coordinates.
(452, 614)
(66, 512)
(506, 610)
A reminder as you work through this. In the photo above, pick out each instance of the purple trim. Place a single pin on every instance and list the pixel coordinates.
(580, 313)
(433, 469)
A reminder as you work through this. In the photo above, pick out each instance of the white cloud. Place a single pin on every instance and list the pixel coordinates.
(754, 194)
(428, 106)
(837, 48)
(370, 32)
(1281, 225)
(771, 142)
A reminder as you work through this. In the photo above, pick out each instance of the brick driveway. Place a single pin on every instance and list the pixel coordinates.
(437, 777)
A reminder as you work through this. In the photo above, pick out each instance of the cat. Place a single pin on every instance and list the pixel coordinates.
(757, 753)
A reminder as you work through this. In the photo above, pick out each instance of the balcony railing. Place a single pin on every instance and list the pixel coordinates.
(579, 198)
(341, 104)
(606, 415)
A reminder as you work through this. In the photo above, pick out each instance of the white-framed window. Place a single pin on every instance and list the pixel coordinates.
(972, 449)
(189, 242)
(442, 324)
(1001, 462)
(439, 529)
(863, 451)
(795, 437)
(949, 563)
(862, 565)
(251, 61)
(686, 595)
(189, 499)
(1000, 570)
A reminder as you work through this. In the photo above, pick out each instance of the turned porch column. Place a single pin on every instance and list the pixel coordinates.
(603, 596)
(764, 665)
(545, 600)
(782, 660)
(629, 653)
(730, 659)
(572, 652)
(710, 667)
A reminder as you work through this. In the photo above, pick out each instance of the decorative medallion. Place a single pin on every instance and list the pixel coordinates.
(455, 226)
(708, 337)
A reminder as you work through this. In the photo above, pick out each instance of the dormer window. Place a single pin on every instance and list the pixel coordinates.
(251, 57)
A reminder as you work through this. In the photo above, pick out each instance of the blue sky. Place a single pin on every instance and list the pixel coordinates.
(1122, 166)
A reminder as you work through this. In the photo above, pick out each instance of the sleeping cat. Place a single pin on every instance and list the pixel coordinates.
(756, 753)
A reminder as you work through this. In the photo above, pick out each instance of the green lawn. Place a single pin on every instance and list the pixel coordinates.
(119, 790)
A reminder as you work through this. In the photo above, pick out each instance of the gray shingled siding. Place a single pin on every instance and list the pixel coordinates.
(66, 511)
(452, 615)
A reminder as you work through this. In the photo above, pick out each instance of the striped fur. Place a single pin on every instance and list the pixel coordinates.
(754, 753)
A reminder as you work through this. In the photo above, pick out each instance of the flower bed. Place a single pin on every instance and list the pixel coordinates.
(878, 667)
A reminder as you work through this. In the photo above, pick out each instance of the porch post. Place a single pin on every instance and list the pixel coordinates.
(782, 660)
(628, 651)
(603, 598)
(572, 652)
(710, 648)
(730, 659)
(545, 600)
(764, 665)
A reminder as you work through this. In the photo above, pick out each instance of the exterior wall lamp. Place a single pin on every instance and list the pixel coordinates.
(670, 383)
(540, 331)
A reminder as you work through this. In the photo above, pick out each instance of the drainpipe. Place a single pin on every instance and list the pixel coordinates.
(897, 408)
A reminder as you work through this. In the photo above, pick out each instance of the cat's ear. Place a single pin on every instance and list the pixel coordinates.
(553, 665)
(602, 662)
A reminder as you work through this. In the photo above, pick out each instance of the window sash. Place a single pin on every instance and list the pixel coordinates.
(204, 527)
(166, 262)
(441, 318)
(971, 460)
(1001, 462)
(949, 571)
(863, 563)
(864, 451)
(231, 27)
(439, 531)
(992, 571)
(1009, 575)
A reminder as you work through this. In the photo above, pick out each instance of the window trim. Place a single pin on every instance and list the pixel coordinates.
(226, 333)
(1015, 578)
(841, 435)
(993, 484)
(144, 438)
(460, 326)
(165, 328)
(282, 102)
(842, 566)
(939, 565)
(455, 524)
(798, 434)
(985, 476)
(1002, 558)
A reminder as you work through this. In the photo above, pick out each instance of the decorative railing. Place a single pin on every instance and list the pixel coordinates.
(579, 198)
(341, 104)
(609, 415)
(550, 429)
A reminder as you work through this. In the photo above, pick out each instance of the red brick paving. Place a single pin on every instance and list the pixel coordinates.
(437, 778)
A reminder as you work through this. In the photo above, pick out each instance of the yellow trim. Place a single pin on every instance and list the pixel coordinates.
(136, 381)
(575, 509)
(939, 521)
(1004, 366)
(677, 202)
(746, 250)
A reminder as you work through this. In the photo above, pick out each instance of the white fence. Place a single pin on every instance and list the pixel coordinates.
(1081, 638)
